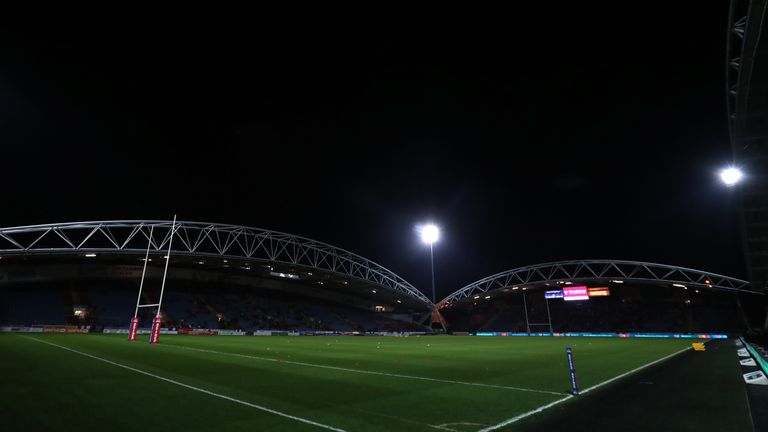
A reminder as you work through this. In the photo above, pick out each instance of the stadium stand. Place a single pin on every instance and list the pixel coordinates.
(111, 303)
(628, 309)
(33, 304)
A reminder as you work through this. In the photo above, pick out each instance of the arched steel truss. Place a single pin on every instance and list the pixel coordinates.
(600, 271)
(746, 80)
(199, 239)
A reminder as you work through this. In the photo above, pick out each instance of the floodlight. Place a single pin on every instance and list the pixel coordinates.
(430, 234)
(730, 176)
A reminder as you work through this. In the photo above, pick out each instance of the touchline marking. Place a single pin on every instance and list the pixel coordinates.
(365, 371)
(208, 392)
(551, 404)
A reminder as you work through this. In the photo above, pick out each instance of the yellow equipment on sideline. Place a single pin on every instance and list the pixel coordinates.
(698, 346)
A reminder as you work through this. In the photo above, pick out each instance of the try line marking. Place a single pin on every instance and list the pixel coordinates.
(551, 404)
(365, 371)
(198, 389)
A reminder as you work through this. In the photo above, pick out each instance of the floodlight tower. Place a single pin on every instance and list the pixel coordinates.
(430, 233)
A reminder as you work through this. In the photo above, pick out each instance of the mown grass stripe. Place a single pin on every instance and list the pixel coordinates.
(362, 371)
(190, 387)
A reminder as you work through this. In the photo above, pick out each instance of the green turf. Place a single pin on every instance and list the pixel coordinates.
(691, 392)
(48, 388)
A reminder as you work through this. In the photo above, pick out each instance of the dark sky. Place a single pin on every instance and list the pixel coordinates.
(528, 137)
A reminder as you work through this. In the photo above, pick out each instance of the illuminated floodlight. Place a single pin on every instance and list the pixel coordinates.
(90, 255)
(679, 285)
(283, 275)
(430, 233)
(730, 176)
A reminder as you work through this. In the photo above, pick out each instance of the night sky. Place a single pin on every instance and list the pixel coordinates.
(531, 137)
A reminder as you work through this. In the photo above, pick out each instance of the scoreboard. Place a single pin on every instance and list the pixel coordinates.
(577, 293)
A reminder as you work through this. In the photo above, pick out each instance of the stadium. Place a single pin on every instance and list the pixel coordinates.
(130, 324)
(234, 282)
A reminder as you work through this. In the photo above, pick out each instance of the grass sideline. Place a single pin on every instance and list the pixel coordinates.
(349, 383)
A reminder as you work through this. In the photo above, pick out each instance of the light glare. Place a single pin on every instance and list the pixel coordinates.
(731, 176)
(430, 233)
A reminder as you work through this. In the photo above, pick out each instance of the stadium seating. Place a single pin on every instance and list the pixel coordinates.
(34, 304)
(111, 303)
(628, 309)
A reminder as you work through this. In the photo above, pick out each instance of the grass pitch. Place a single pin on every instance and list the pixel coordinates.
(200, 383)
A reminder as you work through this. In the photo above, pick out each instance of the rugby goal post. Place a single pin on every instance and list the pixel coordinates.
(154, 336)
(540, 327)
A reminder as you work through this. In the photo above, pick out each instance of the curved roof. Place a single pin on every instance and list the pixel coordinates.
(746, 83)
(599, 271)
(199, 239)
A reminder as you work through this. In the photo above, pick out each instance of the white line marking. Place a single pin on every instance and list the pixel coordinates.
(400, 419)
(525, 414)
(551, 404)
(365, 371)
(208, 392)
(633, 371)
(444, 426)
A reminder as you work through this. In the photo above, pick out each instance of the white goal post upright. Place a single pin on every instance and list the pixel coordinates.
(135, 320)
(155, 336)
(144, 271)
